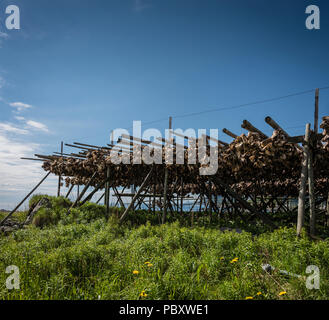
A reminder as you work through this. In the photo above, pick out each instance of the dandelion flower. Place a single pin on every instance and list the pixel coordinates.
(135, 272)
(221, 258)
(234, 260)
(259, 293)
(147, 262)
(143, 294)
(150, 265)
(249, 298)
(282, 293)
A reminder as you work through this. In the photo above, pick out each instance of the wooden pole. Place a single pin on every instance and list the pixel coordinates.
(316, 112)
(100, 198)
(83, 191)
(6, 218)
(107, 190)
(327, 212)
(141, 188)
(60, 177)
(310, 165)
(229, 133)
(69, 191)
(166, 181)
(182, 195)
(243, 202)
(117, 194)
(88, 198)
(311, 191)
(303, 179)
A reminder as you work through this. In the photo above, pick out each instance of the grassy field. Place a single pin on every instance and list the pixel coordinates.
(88, 255)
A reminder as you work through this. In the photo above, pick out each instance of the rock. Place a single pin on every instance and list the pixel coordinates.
(10, 226)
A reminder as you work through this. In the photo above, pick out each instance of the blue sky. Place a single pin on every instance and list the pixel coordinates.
(79, 68)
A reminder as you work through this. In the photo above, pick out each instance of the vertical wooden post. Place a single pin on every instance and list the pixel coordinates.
(154, 191)
(60, 176)
(182, 195)
(327, 212)
(302, 189)
(107, 190)
(78, 193)
(166, 181)
(311, 191)
(316, 112)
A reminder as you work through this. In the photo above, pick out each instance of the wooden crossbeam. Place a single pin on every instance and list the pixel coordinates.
(141, 188)
(229, 133)
(248, 126)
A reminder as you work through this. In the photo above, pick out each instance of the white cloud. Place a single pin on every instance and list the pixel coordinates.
(2, 83)
(20, 118)
(140, 5)
(20, 106)
(4, 35)
(19, 176)
(37, 125)
(8, 127)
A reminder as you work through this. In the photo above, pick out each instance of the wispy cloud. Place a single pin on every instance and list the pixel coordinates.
(19, 176)
(141, 5)
(10, 128)
(3, 36)
(37, 125)
(2, 82)
(20, 106)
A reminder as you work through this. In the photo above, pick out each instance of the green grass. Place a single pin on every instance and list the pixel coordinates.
(88, 255)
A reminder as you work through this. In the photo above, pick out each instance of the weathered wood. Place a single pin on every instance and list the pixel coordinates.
(100, 198)
(83, 192)
(166, 182)
(316, 112)
(327, 211)
(301, 139)
(44, 202)
(248, 126)
(69, 191)
(229, 133)
(243, 202)
(275, 126)
(311, 189)
(91, 194)
(303, 180)
(117, 194)
(33, 159)
(107, 190)
(141, 188)
(14, 210)
(60, 176)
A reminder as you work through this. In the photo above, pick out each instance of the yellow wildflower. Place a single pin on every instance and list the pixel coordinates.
(282, 293)
(221, 258)
(249, 298)
(234, 260)
(150, 265)
(135, 272)
(259, 293)
(147, 262)
(143, 294)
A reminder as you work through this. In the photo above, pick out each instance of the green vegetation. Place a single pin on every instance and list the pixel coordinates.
(88, 255)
